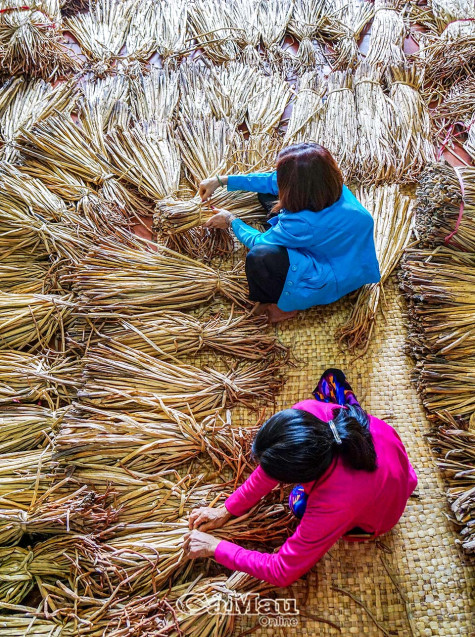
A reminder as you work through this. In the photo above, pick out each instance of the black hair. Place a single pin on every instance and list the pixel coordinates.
(296, 446)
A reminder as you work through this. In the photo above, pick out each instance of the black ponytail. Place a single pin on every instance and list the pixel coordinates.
(296, 446)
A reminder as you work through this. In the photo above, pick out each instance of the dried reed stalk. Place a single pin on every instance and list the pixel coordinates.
(231, 89)
(447, 11)
(270, 95)
(113, 278)
(415, 147)
(30, 378)
(25, 427)
(30, 40)
(393, 216)
(273, 16)
(308, 19)
(305, 123)
(377, 127)
(203, 244)
(212, 26)
(108, 369)
(245, 16)
(147, 157)
(351, 19)
(154, 95)
(439, 199)
(469, 145)
(144, 442)
(29, 320)
(175, 334)
(387, 34)
(175, 216)
(171, 27)
(101, 32)
(339, 132)
(457, 105)
(22, 274)
(205, 146)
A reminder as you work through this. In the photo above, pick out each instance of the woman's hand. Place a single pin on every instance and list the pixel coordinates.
(222, 219)
(207, 518)
(208, 186)
(198, 544)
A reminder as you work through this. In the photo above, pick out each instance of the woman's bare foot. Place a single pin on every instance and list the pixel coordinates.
(277, 315)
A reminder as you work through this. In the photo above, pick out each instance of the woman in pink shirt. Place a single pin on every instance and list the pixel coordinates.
(354, 482)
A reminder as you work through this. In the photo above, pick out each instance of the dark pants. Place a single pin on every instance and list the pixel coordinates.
(266, 271)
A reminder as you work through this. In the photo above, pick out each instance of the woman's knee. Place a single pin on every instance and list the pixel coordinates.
(264, 254)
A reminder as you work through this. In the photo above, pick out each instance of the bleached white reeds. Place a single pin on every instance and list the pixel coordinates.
(307, 19)
(245, 16)
(270, 95)
(377, 126)
(393, 217)
(255, 153)
(30, 378)
(171, 27)
(447, 11)
(387, 34)
(351, 19)
(101, 32)
(114, 278)
(147, 157)
(212, 25)
(415, 148)
(158, 26)
(205, 146)
(30, 40)
(108, 369)
(273, 16)
(339, 131)
(30, 102)
(231, 88)
(307, 110)
(154, 95)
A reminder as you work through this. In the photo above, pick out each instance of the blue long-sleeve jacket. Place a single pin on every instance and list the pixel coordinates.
(331, 252)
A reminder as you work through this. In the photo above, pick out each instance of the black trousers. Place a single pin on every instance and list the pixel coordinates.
(266, 271)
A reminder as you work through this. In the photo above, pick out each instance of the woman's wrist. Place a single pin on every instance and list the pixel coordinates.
(230, 218)
(222, 180)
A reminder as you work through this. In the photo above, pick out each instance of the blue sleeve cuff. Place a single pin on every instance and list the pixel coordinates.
(237, 182)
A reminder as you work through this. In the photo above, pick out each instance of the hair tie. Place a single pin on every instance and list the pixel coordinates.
(332, 426)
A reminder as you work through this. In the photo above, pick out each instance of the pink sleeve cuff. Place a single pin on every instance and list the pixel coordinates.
(225, 553)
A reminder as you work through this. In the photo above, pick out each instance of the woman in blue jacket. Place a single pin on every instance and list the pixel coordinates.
(320, 245)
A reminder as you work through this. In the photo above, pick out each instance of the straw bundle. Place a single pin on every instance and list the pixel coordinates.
(393, 216)
(245, 15)
(22, 274)
(377, 127)
(273, 16)
(414, 146)
(351, 19)
(119, 279)
(447, 11)
(108, 370)
(308, 18)
(202, 244)
(231, 88)
(205, 147)
(32, 319)
(30, 40)
(155, 95)
(101, 32)
(28, 619)
(339, 133)
(439, 198)
(174, 215)
(141, 41)
(469, 145)
(23, 427)
(147, 157)
(175, 334)
(146, 442)
(212, 25)
(306, 117)
(256, 153)
(171, 27)
(270, 95)
(457, 105)
(387, 34)
(29, 378)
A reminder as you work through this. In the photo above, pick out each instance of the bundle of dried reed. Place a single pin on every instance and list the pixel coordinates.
(212, 25)
(244, 15)
(393, 216)
(108, 369)
(175, 334)
(141, 41)
(30, 40)
(30, 101)
(305, 123)
(415, 147)
(30, 378)
(377, 127)
(22, 274)
(350, 18)
(231, 89)
(256, 153)
(307, 19)
(205, 146)
(117, 279)
(144, 442)
(154, 95)
(174, 216)
(273, 16)
(26, 619)
(101, 32)
(270, 95)
(387, 34)
(444, 215)
(147, 157)
(339, 132)
(457, 105)
(469, 145)
(204, 244)
(25, 427)
(171, 27)
(448, 11)
(29, 320)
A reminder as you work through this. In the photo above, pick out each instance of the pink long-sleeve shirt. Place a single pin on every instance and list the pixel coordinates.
(343, 498)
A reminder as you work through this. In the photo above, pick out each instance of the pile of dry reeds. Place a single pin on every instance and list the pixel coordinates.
(393, 218)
